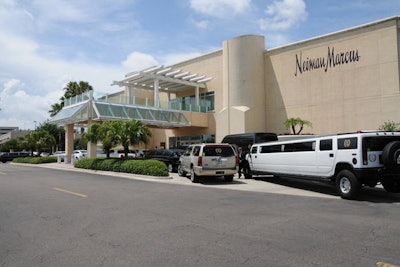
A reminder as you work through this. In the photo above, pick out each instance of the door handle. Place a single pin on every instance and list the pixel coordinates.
(331, 155)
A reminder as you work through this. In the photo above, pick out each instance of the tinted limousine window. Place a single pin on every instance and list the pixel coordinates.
(347, 143)
(290, 147)
(271, 149)
(325, 144)
(300, 147)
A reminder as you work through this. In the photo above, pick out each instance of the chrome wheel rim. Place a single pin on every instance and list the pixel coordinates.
(345, 185)
(192, 174)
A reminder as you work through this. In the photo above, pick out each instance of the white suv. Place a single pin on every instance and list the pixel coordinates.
(209, 160)
(351, 160)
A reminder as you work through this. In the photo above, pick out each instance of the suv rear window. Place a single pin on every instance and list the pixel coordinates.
(378, 143)
(224, 151)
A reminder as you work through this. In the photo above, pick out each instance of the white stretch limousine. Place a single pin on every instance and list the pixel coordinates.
(351, 160)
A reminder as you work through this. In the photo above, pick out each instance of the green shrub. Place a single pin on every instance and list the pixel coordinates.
(135, 166)
(35, 160)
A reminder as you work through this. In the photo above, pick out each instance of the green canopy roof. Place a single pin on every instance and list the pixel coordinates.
(96, 110)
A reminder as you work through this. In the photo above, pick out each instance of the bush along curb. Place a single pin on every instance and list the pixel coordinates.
(35, 160)
(147, 167)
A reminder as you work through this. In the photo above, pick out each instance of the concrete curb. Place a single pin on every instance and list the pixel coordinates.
(68, 167)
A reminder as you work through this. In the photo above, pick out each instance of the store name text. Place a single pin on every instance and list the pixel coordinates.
(330, 61)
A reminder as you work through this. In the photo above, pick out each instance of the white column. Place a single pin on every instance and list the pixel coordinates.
(91, 147)
(69, 141)
(197, 98)
(156, 92)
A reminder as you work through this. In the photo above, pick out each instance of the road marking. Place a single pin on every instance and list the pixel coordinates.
(69, 192)
(385, 264)
(3, 173)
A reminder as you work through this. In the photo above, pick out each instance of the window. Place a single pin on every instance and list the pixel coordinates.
(325, 144)
(224, 151)
(271, 149)
(206, 101)
(347, 143)
(196, 151)
(299, 147)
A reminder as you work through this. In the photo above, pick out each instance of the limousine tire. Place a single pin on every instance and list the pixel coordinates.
(193, 177)
(391, 185)
(391, 154)
(347, 184)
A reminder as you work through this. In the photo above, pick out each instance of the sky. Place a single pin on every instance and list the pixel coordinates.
(46, 44)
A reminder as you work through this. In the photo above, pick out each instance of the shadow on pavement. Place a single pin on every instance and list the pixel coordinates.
(369, 194)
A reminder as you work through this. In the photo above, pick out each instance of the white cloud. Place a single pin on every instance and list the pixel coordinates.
(220, 8)
(202, 24)
(137, 61)
(171, 59)
(282, 15)
(30, 83)
(18, 108)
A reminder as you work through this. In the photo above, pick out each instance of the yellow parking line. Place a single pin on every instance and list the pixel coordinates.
(385, 264)
(69, 192)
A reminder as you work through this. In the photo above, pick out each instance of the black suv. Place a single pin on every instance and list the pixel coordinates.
(169, 156)
(9, 156)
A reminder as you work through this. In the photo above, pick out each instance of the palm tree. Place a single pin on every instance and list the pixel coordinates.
(105, 133)
(132, 133)
(113, 133)
(37, 141)
(71, 89)
(292, 123)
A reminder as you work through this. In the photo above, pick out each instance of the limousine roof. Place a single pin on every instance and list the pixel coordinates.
(314, 137)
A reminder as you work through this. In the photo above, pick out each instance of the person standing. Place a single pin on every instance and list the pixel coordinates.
(241, 157)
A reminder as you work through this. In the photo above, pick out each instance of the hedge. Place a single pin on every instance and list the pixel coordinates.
(35, 160)
(136, 166)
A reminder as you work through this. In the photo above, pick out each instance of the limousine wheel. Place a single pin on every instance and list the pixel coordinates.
(347, 184)
(391, 185)
(193, 177)
(391, 155)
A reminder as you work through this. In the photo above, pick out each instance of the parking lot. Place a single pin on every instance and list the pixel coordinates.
(266, 184)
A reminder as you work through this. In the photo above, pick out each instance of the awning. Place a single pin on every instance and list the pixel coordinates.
(101, 111)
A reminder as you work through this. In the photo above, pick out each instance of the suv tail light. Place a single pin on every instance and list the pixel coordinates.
(365, 158)
(237, 160)
(200, 161)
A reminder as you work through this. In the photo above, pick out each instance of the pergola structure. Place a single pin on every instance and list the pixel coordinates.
(86, 109)
(164, 79)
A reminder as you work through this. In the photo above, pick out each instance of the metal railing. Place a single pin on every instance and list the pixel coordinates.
(135, 101)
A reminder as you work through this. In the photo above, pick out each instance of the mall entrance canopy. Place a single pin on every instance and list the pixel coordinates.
(88, 108)
(84, 109)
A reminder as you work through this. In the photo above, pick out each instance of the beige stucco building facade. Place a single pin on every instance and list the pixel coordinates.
(340, 82)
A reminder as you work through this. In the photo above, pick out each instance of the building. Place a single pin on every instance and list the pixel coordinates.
(6, 129)
(10, 133)
(340, 82)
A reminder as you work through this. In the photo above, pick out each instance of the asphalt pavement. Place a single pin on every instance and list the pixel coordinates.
(266, 184)
(63, 216)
